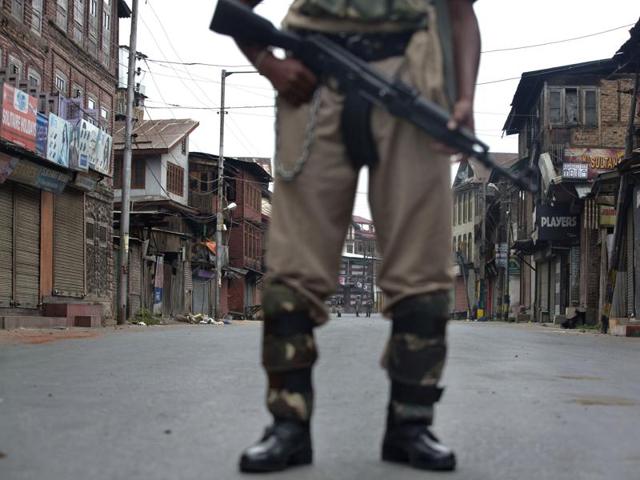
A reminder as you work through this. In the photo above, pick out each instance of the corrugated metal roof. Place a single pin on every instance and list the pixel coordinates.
(156, 135)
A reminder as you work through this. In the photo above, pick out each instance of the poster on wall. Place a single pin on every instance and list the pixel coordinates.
(158, 283)
(58, 140)
(18, 123)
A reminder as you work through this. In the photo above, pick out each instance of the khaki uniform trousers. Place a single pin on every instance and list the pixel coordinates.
(409, 191)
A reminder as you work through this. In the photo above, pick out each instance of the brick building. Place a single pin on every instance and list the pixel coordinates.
(58, 60)
(246, 182)
(572, 123)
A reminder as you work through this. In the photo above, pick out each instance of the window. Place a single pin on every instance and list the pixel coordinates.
(106, 32)
(570, 106)
(138, 179)
(76, 91)
(175, 179)
(34, 78)
(17, 9)
(36, 16)
(349, 247)
(104, 114)
(61, 82)
(62, 7)
(91, 103)
(590, 108)
(78, 20)
(15, 67)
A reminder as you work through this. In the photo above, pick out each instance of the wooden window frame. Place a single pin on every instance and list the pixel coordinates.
(36, 16)
(175, 179)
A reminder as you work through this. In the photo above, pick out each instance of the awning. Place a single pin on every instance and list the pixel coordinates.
(528, 247)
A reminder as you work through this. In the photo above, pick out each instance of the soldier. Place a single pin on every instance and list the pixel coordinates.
(433, 45)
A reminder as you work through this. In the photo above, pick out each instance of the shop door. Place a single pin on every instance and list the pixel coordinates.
(68, 245)
(6, 245)
(26, 246)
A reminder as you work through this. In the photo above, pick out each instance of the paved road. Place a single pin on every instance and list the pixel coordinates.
(179, 403)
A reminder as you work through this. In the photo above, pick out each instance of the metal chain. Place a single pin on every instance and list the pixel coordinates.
(289, 175)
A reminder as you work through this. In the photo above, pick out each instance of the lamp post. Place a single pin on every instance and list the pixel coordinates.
(220, 184)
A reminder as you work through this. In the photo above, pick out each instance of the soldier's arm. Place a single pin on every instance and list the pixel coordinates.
(291, 79)
(466, 47)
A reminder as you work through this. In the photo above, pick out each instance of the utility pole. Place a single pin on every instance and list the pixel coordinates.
(220, 185)
(219, 214)
(126, 171)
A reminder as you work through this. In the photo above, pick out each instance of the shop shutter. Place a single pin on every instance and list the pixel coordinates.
(6, 245)
(543, 273)
(135, 279)
(27, 246)
(630, 267)
(68, 245)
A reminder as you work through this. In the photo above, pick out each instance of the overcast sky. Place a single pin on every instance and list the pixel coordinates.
(167, 33)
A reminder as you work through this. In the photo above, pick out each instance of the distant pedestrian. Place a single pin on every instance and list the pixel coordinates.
(368, 307)
(358, 306)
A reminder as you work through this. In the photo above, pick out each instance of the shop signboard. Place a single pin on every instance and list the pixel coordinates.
(593, 161)
(557, 223)
(18, 123)
(502, 252)
(607, 216)
(42, 133)
(83, 145)
(102, 154)
(41, 177)
(7, 166)
(58, 140)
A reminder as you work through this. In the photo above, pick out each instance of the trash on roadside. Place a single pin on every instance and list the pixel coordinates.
(202, 319)
(141, 324)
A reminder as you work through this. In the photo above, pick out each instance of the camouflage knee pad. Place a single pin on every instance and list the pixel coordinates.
(416, 354)
(288, 353)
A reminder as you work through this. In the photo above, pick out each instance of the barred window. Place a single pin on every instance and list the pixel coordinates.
(78, 20)
(36, 16)
(175, 179)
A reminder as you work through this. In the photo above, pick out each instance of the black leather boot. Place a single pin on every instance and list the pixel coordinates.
(413, 443)
(284, 444)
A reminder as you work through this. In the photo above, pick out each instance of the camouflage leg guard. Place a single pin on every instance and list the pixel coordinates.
(415, 357)
(288, 353)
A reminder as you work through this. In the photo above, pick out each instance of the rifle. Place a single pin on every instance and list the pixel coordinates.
(330, 61)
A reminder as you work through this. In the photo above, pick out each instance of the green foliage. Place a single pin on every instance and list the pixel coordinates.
(146, 316)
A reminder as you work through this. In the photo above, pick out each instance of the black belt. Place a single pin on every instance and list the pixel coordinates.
(370, 47)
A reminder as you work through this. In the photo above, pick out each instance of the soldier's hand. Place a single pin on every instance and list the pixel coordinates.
(291, 79)
(462, 116)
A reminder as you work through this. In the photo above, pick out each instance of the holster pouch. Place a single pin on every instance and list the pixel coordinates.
(288, 353)
(415, 356)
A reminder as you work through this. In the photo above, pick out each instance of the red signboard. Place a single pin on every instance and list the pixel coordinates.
(594, 161)
(18, 123)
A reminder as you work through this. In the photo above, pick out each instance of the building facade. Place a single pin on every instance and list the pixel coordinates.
(572, 122)
(58, 65)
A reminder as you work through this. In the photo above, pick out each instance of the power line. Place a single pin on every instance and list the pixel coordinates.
(555, 42)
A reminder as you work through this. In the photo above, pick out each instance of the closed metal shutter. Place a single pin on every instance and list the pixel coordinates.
(543, 273)
(6, 245)
(630, 266)
(68, 245)
(135, 279)
(26, 246)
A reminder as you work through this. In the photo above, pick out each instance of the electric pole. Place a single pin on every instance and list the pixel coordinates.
(219, 216)
(126, 171)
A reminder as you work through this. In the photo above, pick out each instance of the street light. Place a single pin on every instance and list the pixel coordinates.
(220, 184)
